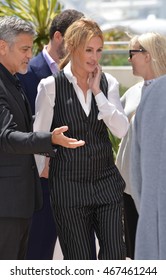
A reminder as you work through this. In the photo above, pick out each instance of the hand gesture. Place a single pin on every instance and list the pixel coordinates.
(58, 138)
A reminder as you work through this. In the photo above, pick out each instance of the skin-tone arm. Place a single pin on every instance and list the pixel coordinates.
(45, 171)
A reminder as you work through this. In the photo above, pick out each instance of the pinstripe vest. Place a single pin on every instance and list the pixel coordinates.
(91, 162)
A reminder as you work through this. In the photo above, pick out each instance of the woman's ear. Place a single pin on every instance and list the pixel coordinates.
(148, 57)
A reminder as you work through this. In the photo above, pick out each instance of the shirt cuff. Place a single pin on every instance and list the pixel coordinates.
(100, 99)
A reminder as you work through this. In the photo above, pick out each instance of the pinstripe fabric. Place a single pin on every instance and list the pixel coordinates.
(86, 187)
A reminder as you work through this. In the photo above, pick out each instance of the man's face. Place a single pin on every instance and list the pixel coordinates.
(16, 56)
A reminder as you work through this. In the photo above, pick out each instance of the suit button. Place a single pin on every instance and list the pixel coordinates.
(33, 166)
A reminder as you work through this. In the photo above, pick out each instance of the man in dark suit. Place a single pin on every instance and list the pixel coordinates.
(43, 232)
(20, 192)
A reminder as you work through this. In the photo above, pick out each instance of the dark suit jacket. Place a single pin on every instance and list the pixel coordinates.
(20, 191)
(37, 70)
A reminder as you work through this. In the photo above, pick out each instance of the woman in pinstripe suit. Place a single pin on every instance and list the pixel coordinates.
(86, 188)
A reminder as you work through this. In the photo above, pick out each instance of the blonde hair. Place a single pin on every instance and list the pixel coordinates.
(79, 33)
(155, 45)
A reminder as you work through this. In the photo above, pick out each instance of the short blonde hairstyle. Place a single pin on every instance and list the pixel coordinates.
(155, 45)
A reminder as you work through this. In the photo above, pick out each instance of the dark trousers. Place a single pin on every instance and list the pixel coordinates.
(13, 238)
(42, 237)
(74, 226)
(130, 218)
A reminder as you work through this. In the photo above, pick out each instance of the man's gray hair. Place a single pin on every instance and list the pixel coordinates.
(12, 26)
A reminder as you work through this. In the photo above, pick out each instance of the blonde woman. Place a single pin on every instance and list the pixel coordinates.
(85, 185)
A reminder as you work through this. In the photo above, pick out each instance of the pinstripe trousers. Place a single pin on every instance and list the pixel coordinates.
(75, 223)
(75, 236)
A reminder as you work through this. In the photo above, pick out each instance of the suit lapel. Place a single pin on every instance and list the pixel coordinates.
(40, 67)
(24, 107)
(15, 98)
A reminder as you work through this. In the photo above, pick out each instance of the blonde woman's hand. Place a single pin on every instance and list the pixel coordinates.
(94, 80)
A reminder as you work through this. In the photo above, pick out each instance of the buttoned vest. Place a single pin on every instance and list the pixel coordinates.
(96, 155)
(87, 174)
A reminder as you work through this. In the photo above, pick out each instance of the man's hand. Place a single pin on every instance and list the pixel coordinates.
(58, 138)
